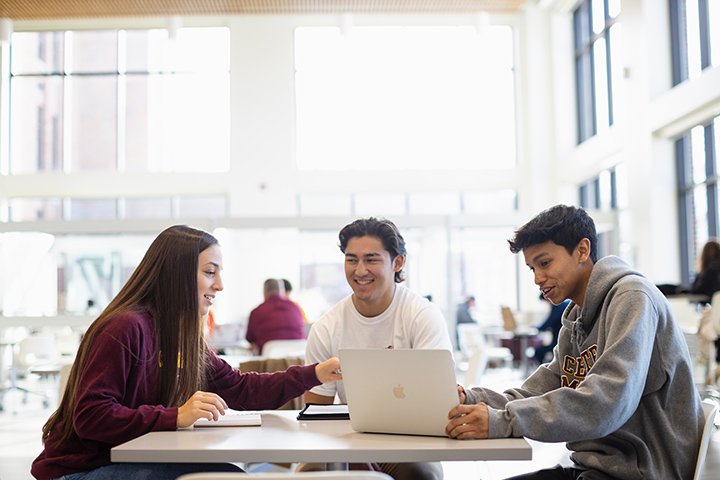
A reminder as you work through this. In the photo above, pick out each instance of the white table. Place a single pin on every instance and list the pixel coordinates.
(283, 439)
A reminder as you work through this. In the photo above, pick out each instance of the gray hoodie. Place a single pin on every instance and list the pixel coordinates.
(619, 389)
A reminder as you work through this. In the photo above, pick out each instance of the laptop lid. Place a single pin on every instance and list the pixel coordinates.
(399, 391)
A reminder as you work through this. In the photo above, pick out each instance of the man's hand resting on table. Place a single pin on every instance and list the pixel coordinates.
(468, 422)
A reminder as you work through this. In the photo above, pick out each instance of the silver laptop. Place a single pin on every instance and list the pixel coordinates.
(399, 391)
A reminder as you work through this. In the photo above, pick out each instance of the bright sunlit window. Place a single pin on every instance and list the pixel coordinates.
(120, 100)
(398, 98)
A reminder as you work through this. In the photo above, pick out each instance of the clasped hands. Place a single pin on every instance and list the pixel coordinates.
(467, 421)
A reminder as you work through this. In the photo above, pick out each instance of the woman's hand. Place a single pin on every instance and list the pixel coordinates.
(200, 405)
(329, 370)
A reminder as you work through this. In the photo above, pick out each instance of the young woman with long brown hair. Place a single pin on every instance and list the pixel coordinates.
(143, 365)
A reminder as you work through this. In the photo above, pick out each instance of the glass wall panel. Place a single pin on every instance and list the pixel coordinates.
(94, 123)
(148, 208)
(34, 209)
(598, 74)
(326, 204)
(37, 127)
(483, 266)
(37, 52)
(92, 209)
(322, 274)
(434, 203)
(380, 204)
(138, 123)
(714, 24)
(489, 202)
(28, 277)
(399, 98)
(94, 268)
(133, 101)
(188, 207)
(93, 51)
(189, 123)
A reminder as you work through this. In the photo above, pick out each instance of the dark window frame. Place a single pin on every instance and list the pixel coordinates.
(584, 41)
(678, 38)
(686, 201)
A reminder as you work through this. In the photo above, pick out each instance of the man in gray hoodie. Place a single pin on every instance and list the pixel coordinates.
(619, 389)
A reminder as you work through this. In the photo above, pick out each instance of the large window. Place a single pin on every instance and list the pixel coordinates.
(697, 167)
(597, 64)
(120, 100)
(399, 98)
(600, 192)
(695, 29)
(389, 204)
(112, 208)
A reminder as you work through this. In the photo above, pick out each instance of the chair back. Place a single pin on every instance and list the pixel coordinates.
(710, 409)
(508, 318)
(35, 351)
(334, 475)
(715, 312)
(266, 365)
(284, 348)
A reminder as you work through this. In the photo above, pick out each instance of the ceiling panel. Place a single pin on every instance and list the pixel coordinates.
(59, 9)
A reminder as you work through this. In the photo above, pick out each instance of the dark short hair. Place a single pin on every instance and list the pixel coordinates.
(287, 284)
(380, 228)
(563, 225)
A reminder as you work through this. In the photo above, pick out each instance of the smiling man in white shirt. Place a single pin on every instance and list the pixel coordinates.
(380, 313)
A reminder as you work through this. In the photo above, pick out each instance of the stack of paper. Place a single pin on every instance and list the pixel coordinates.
(232, 418)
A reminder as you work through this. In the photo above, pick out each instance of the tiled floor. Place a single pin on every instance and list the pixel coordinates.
(20, 426)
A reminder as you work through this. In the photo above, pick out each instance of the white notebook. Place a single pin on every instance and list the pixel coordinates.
(232, 418)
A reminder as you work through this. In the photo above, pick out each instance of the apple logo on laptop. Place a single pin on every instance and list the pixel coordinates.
(399, 391)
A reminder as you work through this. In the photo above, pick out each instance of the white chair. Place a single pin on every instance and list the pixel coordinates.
(710, 409)
(284, 348)
(334, 475)
(479, 354)
(36, 354)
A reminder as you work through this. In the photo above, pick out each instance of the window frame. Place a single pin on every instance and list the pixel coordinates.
(679, 38)
(60, 158)
(686, 187)
(584, 41)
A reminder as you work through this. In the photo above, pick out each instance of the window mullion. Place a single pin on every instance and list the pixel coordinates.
(711, 181)
(704, 27)
(608, 75)
(678, 35)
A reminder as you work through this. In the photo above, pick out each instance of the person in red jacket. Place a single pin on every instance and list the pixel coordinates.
(144, 366)
(277, 318)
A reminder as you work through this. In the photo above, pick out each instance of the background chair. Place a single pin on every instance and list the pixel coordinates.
(284, 348)
(479, 354)
(710, 410)
(36, 354)
(508, 317)
(265, 365)
(336, 475)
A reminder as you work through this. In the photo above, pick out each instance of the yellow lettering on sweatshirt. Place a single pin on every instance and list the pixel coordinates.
(575, 369)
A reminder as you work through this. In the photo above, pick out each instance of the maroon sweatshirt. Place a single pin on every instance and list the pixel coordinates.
(277, 318)
(117, 396)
